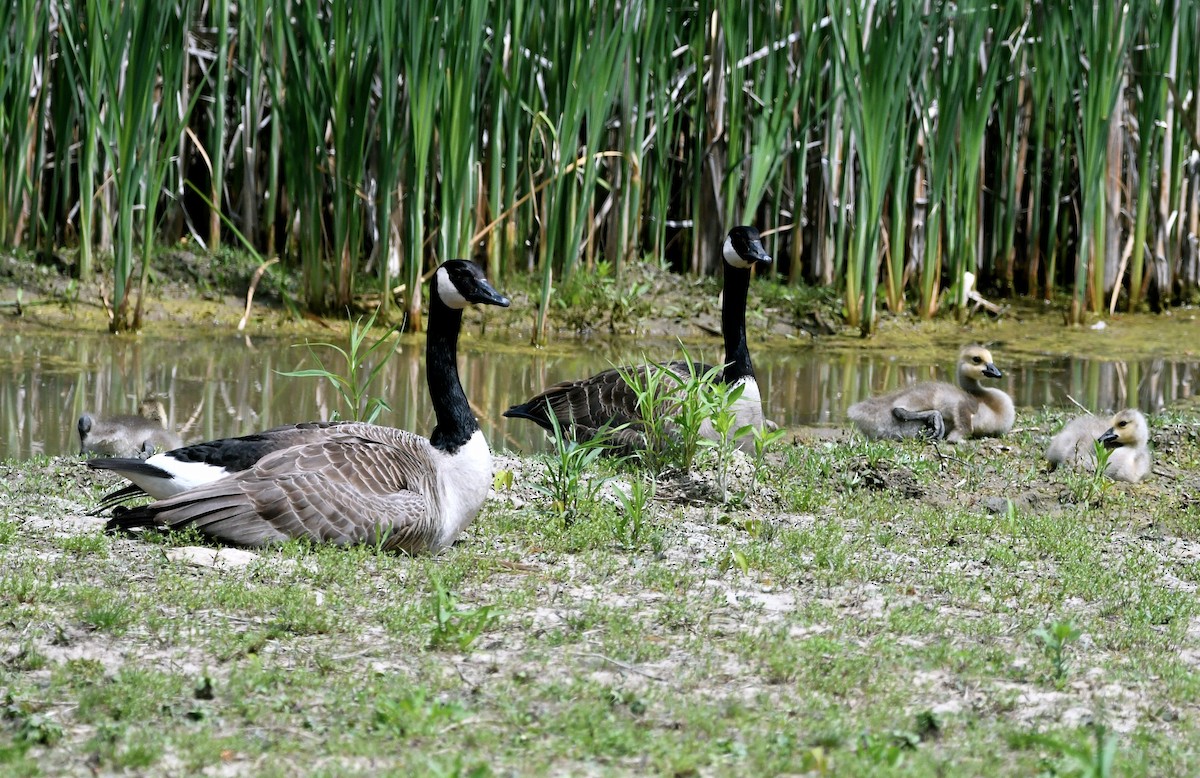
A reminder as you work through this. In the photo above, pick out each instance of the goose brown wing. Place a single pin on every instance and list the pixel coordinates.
(588, 404)
(345, 490)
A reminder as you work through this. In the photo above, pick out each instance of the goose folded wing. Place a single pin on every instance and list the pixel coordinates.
(342, 491)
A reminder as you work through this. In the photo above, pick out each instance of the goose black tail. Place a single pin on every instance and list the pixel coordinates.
(134, 466)
(535, 413)
(125, 519)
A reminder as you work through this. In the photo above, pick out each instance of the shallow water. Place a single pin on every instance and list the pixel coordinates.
(222, 386)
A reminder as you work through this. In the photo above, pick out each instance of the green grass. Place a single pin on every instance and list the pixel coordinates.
(870, 609)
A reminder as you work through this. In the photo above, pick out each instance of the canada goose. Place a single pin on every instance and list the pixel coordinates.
(1125, 436)
(336, 482)
(586, 405)
(939, 410)
(127, 435)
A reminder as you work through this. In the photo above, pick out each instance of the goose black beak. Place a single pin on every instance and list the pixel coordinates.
(486, 294)
(1109, 438)
(991, 371)
(758, 254)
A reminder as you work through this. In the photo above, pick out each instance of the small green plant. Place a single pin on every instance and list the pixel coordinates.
(631, 520)
(675, 408)
(566, 481)
(887, 749)
(355, 382)
(1080, 758)
(502, 480)
(720, 400)
(31, 728)
(455, 627)
(733, 557)
(693, 404)
(651, 384)
(1054, 639)
(82, 545)
(414, 714)
(1103, 453)
(765, 438)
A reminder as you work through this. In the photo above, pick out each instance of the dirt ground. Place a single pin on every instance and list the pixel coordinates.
(854, 608)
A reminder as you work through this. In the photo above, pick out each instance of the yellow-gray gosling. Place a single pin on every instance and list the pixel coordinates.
(935, 409)
(1125, 435)
(127, 435)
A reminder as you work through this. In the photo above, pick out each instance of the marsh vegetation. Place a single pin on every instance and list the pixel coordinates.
(1047, 149)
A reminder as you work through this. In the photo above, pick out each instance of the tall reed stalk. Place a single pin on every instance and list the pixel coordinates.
(22, 28)
(1100, 35)
(886, 142)
(878, 61)
(1155, 19)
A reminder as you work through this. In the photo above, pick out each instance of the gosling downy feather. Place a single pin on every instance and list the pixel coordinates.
(127, 435)
(587, 405)
(342, 483)
(938, 410)
(1125, 436)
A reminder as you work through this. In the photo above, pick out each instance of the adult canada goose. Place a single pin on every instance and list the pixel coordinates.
(127, 435)
(586, 405)
(1125, 436)
(336, 482)
(938, 410)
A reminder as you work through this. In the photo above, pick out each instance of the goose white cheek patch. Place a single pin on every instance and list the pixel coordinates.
(448, 291)
(732, 257)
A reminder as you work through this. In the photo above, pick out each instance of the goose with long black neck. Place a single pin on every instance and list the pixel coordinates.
(605, 400)
(334, 482)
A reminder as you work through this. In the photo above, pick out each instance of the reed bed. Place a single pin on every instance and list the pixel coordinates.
(895, 149)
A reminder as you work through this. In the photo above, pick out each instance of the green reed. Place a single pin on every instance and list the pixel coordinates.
(878, 61)
(363, 143)
(22, 28)
(1100, 35)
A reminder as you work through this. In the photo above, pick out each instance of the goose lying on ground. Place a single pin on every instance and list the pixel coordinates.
(1125, 436)
(336, 482)
(938, 410)
(127, 435)
(584, 406)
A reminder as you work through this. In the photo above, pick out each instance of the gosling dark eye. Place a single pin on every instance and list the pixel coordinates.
(978, 360)
(1122, 424)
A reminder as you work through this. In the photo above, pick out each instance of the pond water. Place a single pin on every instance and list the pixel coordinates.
(222, 386)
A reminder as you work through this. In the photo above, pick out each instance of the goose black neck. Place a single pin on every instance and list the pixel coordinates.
(733, 324)
(455, 421)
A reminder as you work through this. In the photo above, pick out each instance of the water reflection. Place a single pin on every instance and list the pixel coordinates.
(217, 387)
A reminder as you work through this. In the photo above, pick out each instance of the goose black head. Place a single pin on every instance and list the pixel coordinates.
(459, 283)
(743, 249)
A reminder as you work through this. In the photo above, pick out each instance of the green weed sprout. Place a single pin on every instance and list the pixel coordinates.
(453, 626)
(564, 482)
(1054, 639)
(355, 382)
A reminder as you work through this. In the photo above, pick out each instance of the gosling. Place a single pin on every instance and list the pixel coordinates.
(938, 410)
(1125, 436)
(127, 435)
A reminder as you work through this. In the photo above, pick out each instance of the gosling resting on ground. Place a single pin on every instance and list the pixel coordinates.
(1125, 436)
(939, 410)
(335, 482)
(585, 406)
(127, 435)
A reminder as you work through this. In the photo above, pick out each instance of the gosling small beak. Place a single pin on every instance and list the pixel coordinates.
(1109, 439)
(991, 371)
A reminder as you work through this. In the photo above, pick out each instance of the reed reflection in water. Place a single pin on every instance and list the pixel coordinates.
(217, 387)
